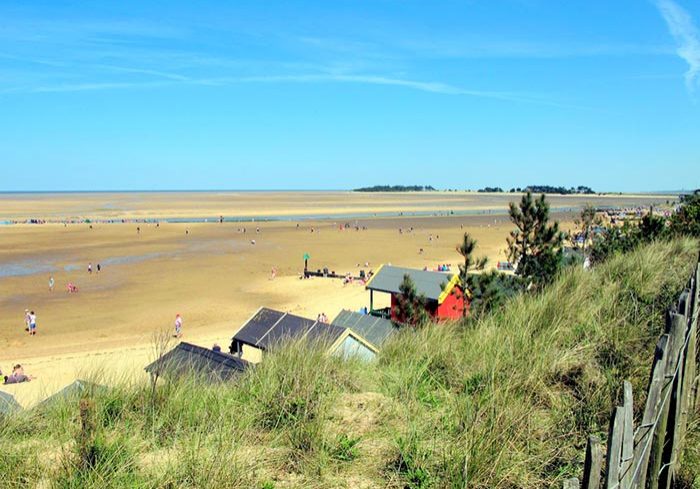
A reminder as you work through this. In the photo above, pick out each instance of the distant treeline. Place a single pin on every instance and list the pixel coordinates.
(543, 189)
(395, 188)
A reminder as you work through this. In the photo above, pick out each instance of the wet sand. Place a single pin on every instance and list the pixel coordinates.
(285, 205)
(214, 276)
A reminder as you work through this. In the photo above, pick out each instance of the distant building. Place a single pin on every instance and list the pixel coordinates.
(189, 359)
(268, 328)
(444, 293)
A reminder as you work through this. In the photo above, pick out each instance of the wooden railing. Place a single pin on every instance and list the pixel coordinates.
(650, 454)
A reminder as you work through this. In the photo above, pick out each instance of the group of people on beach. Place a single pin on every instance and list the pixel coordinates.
(17, 376)
(72, 288)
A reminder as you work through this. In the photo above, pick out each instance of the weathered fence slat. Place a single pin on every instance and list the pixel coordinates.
(627, 456)
(663, 445)
(593, 466)
(672, 446)
(688, 381)
(695, 382)
(645, 432)
(617, 421)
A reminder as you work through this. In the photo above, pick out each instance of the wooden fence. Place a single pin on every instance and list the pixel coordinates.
(650, 454)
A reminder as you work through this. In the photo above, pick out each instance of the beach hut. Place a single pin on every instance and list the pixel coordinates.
(375, 330)
(268, 328)
(8, 404)
(445, 297)
(189, 359)
(74, 390)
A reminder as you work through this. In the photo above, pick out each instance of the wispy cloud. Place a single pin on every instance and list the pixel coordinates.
(687, 37)
(174, 79)
(51, 56)
(423, 86)
(487, 48)
(142, 71)
(87, 87)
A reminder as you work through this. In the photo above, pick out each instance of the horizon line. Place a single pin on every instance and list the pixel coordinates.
(475, 190)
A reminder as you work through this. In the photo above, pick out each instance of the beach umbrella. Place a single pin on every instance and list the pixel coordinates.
(8, 403)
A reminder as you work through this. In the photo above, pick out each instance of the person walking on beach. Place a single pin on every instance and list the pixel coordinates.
(32, 323)
(99, 267)
(51, 283)
(178, 325)
(90, 268)
(26, 319)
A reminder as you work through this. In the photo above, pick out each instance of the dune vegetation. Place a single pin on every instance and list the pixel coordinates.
(502, 401)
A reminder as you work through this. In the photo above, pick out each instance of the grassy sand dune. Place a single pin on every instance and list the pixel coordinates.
(504, 402)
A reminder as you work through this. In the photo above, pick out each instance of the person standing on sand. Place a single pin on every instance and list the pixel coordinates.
(51, 283)
(178, 325)
(26, 319)
(32, 323)
(99, 267)
(90, 268)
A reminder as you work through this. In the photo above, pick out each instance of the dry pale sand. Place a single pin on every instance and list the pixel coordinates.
(213, 276)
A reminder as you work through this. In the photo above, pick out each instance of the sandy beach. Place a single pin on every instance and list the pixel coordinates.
(211, 272)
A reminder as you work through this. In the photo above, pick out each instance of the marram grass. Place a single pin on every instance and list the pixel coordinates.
(503, 402)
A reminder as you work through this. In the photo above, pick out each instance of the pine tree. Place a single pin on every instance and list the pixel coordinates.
(535, 246)
(466, 249)
(410, 306)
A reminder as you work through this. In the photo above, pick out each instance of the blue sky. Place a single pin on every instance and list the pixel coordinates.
(338, 94)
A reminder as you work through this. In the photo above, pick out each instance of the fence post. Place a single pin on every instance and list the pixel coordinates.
(593, 465)
(676, 329)
(617, 421)
(627, 438)
(695, 381)
(688, 380)
(666, 427)
(645, 433)
(671, 459)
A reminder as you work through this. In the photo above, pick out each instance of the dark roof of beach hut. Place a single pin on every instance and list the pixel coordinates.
(268, 327)
(375, 330)
(433, 285)
(189, 359)
(8, 404)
